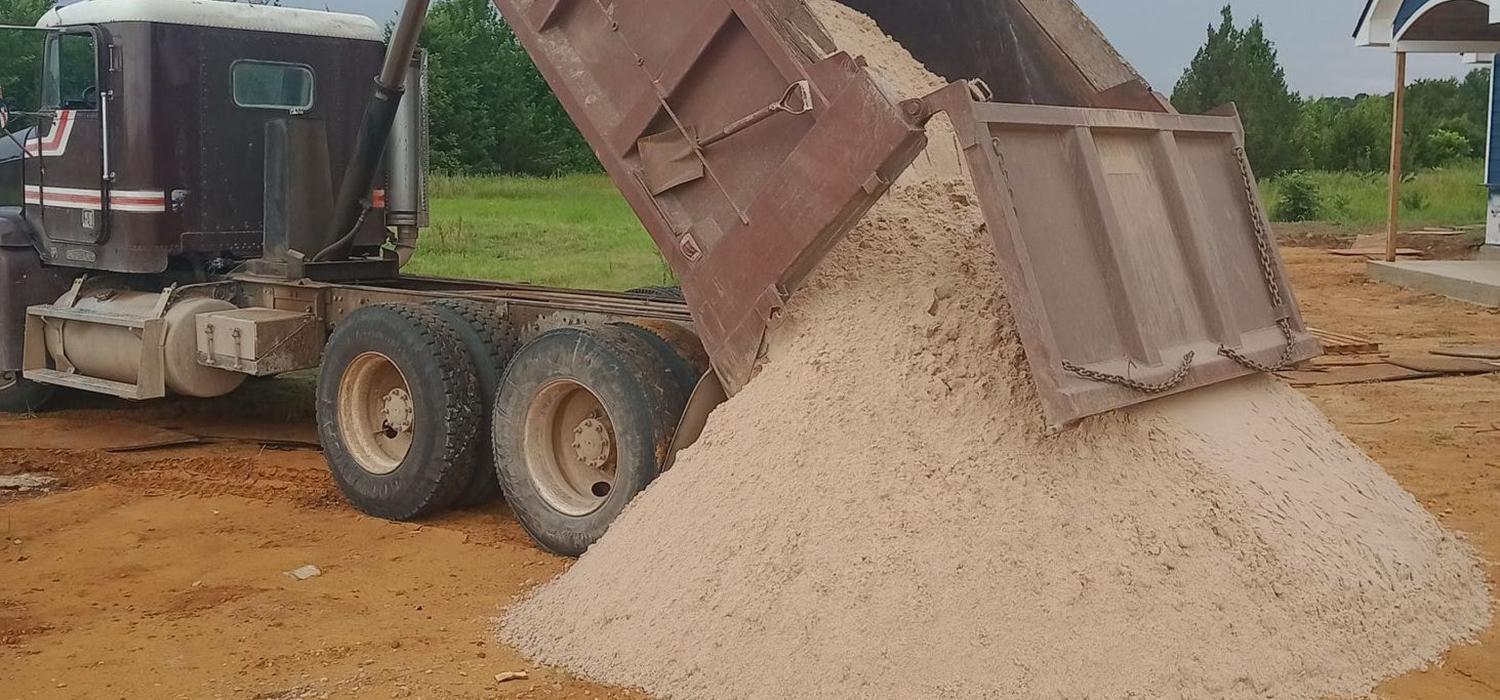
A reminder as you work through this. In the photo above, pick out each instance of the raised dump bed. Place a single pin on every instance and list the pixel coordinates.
(748, 145)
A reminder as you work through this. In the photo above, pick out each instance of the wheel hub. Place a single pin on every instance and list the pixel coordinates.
(571, 448)
(591, 443)
(377, 415)
(397, 410)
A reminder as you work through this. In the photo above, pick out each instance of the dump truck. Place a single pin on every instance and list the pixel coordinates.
(217, 191)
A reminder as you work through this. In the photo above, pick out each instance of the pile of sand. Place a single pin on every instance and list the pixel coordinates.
(903, 76)
(879, 515)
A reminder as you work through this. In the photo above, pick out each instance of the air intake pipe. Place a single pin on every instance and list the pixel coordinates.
(352, 206)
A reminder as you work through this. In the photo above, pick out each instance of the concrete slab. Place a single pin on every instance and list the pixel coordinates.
(1474, 281)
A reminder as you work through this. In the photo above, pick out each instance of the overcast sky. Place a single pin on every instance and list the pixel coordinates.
(1312, 36)
(1161, 36)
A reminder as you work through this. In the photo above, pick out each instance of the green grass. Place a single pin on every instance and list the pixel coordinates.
(1451, 196)
(574, 231)
(577, 231)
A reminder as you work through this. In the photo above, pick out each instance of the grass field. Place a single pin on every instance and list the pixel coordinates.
(1452, 196)
(577, 231)
(574, 231)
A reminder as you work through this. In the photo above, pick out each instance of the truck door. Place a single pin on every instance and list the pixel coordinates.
(71, 189)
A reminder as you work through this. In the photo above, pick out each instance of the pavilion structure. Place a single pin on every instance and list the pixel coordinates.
(1467, 28)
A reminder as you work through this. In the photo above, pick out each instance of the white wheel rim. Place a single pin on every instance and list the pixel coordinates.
(570, 447)
(377, 418)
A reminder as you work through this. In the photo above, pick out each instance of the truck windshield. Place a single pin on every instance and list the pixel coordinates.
(70, 80)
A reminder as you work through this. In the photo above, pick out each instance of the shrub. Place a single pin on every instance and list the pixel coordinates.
(1445, 146)
(1300, 199)
(1413, 200)
(1335, 206)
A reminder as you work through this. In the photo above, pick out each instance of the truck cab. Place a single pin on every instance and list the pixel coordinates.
(150, 148)
(139, 148)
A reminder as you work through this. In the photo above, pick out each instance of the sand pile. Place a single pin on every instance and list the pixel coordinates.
(878, 515)
(903, 76)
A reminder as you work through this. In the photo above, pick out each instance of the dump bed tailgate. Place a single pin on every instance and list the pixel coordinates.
(1137, 257)
(744, 220)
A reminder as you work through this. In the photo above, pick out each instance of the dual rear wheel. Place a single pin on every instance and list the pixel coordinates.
(399, 405)
(581, 426)
(426, 407)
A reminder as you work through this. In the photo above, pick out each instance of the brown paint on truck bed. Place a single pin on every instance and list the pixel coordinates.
(775, 197)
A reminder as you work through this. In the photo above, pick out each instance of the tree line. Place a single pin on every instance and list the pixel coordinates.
(1446, 120)
(492, 112)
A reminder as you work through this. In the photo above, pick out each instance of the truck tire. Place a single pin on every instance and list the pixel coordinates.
(680, 352)
(398, 409)
(582, 426)
(18, 395)
(658, 293)
(491, 342)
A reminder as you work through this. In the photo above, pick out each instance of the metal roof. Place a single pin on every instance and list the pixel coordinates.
(213, 13)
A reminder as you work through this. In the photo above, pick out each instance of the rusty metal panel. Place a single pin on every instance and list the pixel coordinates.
(1137, 255)
(758, 209)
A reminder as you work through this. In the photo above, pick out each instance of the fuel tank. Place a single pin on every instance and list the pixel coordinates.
(114, 353)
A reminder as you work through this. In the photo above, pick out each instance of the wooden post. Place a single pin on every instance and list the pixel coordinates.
(1398, 128)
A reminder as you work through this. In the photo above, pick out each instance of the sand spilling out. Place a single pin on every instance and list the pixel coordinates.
(879, 515)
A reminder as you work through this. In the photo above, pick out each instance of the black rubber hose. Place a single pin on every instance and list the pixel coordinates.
(359, 176)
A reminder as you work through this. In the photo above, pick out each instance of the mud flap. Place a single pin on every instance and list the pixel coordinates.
(709, 395)
(1137, 256)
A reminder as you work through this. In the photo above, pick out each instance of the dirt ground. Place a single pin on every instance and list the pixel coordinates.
(156, 570)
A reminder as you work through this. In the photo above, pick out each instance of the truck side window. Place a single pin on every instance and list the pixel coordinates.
(268, 85)
(71, 77)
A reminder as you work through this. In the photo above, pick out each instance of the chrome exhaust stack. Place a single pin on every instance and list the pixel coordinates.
(353, 205)
(406, 161)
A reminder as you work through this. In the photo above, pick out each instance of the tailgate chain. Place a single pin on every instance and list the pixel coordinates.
(1268, 272)
(1153, 388)
(1158, 388)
